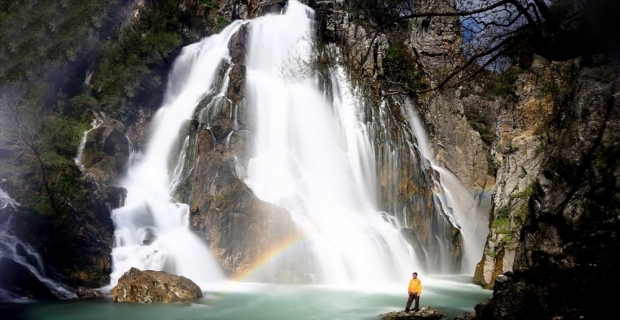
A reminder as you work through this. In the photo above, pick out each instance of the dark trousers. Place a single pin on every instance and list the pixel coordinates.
(412, 296)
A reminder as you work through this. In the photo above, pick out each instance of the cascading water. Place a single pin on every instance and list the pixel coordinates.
(22, 254)
(94, 125)
(313, 156)
(458, 203)
(152, 231)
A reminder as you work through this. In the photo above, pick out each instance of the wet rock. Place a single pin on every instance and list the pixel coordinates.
(466, 316)
(154, 286)
(106, 152)
(236, 87)
(85, 293)
(18, 279)
(238, 226)
(237, 45)
(424, 313)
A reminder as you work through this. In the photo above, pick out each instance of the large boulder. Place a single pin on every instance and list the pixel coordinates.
(154, 286)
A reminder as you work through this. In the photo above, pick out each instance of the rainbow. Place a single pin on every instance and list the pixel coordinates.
(256, 270)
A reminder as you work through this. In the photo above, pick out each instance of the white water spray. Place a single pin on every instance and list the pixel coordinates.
(458, 203)
(80, 152)
(23, 254)
(313, 156)
(152, 231)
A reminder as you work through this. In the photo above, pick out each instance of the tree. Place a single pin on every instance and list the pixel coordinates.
(498, 30)
(22, 128)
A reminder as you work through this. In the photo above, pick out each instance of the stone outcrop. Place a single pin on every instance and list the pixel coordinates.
(92, 234)
(154, 286)
(106, 152)
(517, 155)
(568, 253)
(138, 131)
(424, 313)
(437, 41)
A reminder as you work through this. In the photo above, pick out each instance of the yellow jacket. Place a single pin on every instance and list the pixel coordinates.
(415, 285)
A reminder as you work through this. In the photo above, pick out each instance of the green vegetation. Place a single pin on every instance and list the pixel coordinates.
(494, 85)
(505, 239)
(46, 49)
(482, 124)
(522, 214)
(133, 68)
(501, 220)
(401, 65)
(525, 194)
(220, 198)
(490, 253)
(39, 36)
(502, 213)
(501, 225)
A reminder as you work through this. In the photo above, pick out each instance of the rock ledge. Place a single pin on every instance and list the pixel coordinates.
(424, 313)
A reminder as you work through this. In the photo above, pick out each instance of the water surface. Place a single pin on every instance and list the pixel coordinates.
(452, 295)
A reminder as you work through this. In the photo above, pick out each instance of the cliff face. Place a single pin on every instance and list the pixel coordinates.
(517, 153)
(567, 252)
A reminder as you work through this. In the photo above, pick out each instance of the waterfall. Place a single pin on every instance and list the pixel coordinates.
(454, 199)
(97, 121)
(313, 155)
(152, 230)
(22, 254)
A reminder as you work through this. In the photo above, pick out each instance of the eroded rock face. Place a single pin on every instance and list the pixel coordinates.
(92, 236)
(154, 286)
(569, 249)
(517, 154)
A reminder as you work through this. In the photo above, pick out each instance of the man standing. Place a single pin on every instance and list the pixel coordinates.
(415, 289)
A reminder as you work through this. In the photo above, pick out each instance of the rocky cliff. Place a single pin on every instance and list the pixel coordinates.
(567, 252)
(520, 125)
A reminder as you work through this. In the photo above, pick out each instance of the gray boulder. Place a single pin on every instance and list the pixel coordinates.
(154, 286)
